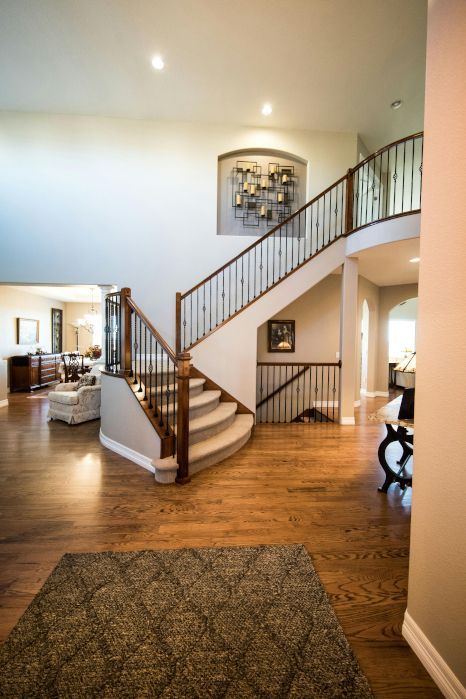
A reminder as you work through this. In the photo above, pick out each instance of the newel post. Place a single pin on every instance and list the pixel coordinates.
(178, 324)
(349, 202)
(125, 332)
(183, 361)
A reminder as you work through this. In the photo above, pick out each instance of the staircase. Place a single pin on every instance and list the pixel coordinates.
(197, 421)
(216, 428)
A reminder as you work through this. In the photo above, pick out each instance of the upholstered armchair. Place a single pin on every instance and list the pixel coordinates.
(74, 405)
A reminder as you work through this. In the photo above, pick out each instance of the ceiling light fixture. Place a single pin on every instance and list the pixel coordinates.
(267, 109)
(415, 259)
(157, 63)
(396, 104)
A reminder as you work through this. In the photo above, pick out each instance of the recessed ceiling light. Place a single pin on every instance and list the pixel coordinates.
(267, 109)
(396, 104)
(415, 259)
(157, 63)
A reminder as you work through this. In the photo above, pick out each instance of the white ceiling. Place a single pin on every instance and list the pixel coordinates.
(323, 64)
(70, 294)
(387, 265)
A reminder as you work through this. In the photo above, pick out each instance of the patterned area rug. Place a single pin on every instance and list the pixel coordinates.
(237, 623)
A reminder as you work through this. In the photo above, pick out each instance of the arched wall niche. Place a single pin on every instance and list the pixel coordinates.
(255, 210)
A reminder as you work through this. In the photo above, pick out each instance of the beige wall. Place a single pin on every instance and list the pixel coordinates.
(437, 571)
(73, 312)
(317, 317)
(390, 296)
(15, 303)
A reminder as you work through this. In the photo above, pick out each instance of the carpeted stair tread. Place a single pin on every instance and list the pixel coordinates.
(241, 427)
(215, 449)
(215, 417)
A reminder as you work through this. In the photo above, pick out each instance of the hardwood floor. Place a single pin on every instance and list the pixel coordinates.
(62, 491)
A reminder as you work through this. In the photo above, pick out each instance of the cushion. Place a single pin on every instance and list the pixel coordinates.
(86, 380)
(64, 397)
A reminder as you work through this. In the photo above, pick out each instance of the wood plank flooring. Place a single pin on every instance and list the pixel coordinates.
(313, 484)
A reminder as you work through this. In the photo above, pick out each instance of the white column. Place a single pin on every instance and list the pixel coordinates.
(104, 290)
(348, 339)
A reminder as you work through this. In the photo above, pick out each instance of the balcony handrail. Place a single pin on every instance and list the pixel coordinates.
(365, 195)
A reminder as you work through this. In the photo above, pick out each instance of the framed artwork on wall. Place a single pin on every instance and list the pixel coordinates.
(57, 330)
(281, 336)
(27, 331)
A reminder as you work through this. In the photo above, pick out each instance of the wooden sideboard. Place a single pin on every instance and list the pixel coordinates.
(29, 372)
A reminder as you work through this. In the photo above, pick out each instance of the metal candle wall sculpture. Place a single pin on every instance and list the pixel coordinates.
(263, 196)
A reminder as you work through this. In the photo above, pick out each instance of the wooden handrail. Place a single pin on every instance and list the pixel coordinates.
(350, 172)
(264, 237)
(413, 136)
(156, 334)
(305, 364)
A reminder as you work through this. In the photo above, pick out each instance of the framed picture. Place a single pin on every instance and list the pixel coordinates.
(281, 336)
(57, 330)
(27, 331)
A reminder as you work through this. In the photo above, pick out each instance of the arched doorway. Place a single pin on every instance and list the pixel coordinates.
(364, 345)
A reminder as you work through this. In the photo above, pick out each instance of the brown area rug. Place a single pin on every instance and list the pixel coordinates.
(230, 622)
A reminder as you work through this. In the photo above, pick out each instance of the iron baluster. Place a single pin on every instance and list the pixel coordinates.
(151, 368)
(156, 380)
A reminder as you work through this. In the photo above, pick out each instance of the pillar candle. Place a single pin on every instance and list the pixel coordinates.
(245, 186)
(284, 179)
(262, 210)
(253, 190)
(238, 200)
(264, 183)
(280, 198)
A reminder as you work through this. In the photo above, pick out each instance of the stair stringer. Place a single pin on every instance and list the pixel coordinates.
(229, 354)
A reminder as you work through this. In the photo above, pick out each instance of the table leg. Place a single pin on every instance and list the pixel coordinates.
(394, 476)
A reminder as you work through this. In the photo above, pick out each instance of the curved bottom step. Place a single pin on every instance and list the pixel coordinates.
(208, 452)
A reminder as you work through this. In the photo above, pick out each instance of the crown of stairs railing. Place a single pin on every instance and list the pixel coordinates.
(386, 185)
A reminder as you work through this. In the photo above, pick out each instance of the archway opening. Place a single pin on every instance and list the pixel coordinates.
(364, 345)
(402, 321)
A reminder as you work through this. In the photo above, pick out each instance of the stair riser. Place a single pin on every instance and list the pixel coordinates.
(211, 431)
(218, 456)
(199, 410)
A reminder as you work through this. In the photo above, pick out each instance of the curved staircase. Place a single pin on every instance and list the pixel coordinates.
(216, 430)
(197, 421)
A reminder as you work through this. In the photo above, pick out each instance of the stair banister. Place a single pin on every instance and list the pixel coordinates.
(383, 186)
(126, 325)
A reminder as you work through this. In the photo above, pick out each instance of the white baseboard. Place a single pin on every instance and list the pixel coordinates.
(4, 403)
(357, 403)
(443, 676)
(347, 421)
(128, 453)
(368, 394)
(382, 394)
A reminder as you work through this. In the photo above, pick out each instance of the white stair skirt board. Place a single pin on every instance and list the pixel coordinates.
(347, 421)
(446, 680)
(4, 403)
(128, 453)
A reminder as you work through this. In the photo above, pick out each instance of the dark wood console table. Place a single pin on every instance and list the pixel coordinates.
(400, 433)
(34, 371)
